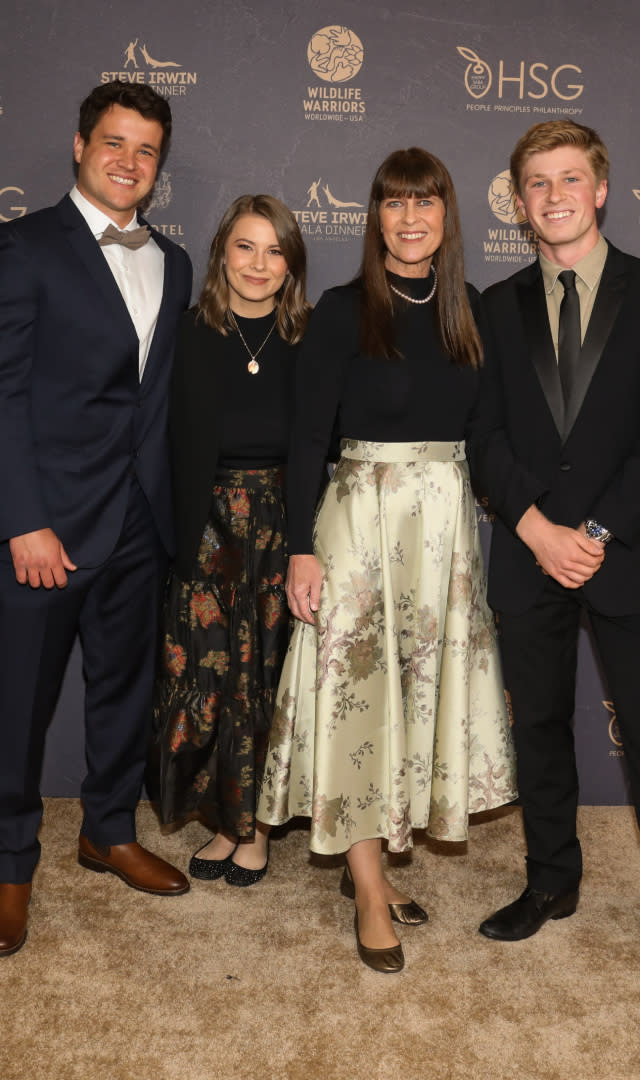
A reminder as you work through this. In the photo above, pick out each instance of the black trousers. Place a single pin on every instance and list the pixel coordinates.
(114, 608)
(539, 652)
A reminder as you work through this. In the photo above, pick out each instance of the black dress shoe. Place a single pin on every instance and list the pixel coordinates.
(528, 913)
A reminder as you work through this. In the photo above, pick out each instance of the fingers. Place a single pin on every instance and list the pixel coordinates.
(40, 560)
(299, 598)
(300, 607)
(66, 561)
(314, 595)
(48, 576)
(572, 574)
(59, 577)
(304, 580)
(21, 575)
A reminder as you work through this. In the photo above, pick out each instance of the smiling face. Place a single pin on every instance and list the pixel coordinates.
(560, 196)
(412, 230)
(117, 165)
(254, 265)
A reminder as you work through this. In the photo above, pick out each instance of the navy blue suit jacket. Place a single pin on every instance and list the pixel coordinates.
(576, 463)
(75, 420)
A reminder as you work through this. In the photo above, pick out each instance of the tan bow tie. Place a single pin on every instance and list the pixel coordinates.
(131, 238)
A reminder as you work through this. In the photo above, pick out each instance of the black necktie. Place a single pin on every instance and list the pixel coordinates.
(568, 333)
(131, 238)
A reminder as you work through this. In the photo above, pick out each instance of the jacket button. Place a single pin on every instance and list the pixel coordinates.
(565, 466)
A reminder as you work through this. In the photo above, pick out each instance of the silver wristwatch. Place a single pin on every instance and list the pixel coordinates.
(597, 532)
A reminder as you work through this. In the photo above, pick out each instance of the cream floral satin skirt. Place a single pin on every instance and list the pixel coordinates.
(390, 713)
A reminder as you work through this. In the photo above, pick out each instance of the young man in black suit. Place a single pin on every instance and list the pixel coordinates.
(90, 302)
(557, 450)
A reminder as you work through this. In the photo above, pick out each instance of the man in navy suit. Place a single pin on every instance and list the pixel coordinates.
(557, 449)
(89, 301)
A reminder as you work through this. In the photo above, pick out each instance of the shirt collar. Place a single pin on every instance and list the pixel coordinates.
(589, 268)
(96, 219)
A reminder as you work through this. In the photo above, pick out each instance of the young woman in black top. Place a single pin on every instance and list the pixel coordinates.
(226, 616)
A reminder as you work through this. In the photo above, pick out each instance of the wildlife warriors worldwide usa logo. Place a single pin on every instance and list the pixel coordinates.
(512, 243)
(335, 55)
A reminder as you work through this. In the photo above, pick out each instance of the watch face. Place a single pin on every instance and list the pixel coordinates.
(597, 532)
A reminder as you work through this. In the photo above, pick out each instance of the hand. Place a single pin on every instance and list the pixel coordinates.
(304, 579)
(40, 559)
(567, 555)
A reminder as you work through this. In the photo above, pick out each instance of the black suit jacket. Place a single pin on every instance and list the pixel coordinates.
(524, 449)
(197, 389)
(75, 420)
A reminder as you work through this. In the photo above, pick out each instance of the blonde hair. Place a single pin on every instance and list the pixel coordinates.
(551, 134)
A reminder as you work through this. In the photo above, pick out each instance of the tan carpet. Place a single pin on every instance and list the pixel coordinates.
(265, 983)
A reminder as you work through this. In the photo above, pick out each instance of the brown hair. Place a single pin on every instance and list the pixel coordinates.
(292, 308)
(551, 134)
(138, 96)
(415, 172)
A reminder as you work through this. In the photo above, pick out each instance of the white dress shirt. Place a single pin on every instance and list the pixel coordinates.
(139, 274)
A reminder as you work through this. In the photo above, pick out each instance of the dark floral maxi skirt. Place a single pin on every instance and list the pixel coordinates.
(224, 640)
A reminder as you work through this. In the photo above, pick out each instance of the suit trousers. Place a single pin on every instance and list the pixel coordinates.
(115, 609)
(539, 653)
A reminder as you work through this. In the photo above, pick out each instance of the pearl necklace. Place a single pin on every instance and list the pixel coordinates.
(253, 367)
(412, 299)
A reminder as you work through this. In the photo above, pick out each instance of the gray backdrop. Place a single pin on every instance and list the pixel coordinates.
(303, 100)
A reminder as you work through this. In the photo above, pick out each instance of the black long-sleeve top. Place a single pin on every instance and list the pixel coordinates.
(222, 415)
(419, 396)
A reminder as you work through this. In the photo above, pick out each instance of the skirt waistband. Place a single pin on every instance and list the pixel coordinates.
(363, 450)
(271, 476)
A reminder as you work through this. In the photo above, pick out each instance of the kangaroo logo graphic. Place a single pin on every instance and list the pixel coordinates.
(314, 189)
(130, 57)
(157, 63)
(336, 202)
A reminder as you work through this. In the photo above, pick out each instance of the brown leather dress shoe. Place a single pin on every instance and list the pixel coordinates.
(136, 866)
(14, 901)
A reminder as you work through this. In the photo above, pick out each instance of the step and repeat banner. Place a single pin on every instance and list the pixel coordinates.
(303, 100)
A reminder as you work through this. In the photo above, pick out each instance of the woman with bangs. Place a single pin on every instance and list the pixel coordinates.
(390, 714)
(226, 620)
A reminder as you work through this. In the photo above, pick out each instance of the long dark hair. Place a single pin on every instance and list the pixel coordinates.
(292, 308)
(415, 172)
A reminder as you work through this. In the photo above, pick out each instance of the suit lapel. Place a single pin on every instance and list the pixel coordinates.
(533, 309)
(93, 261)
(605, 312)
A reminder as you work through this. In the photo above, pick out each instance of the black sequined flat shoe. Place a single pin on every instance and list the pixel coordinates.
(240, 875)
(410, 914)
(209, 869)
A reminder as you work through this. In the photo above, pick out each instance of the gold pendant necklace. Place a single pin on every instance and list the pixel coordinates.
(253, 367)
